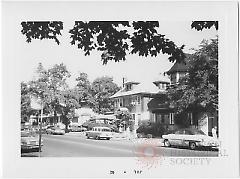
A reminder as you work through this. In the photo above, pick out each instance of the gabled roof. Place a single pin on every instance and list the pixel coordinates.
(162, 78)
(132, 82)
(142, 88)
(180, 67)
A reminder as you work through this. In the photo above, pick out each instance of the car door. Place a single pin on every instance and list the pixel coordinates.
(91, 133)
(176, 138)
(187, 136)
(99, 131)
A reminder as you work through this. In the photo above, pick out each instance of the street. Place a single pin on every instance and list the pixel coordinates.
(79, 146)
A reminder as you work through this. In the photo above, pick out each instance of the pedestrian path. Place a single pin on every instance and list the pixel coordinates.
(121, 137)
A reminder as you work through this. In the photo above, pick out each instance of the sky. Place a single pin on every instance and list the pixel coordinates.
(135, 68)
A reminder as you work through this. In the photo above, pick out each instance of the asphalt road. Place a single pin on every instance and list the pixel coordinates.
(80, 146)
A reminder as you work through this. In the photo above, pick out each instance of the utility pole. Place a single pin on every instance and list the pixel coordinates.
(40, 133)
(99, 106)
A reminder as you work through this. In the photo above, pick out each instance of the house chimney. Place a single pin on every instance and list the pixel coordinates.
(124, 81)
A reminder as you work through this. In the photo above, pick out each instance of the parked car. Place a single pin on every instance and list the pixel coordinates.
(49, 129)
(99, 133)
(77, 128)
(191, 138)
(30, 141)
(89, 125)
(55, 130)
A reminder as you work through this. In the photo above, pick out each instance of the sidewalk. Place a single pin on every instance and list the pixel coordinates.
(76, 134)
(124, 136)
(121, 137)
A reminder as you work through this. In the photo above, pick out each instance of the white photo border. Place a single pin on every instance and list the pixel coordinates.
(227, 15)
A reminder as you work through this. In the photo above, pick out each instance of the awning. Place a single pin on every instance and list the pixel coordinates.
(158, 104)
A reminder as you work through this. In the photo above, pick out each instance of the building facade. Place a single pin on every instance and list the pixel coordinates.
(135, 96)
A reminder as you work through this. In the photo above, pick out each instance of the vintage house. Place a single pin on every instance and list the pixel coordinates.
(135, 96)
(163, 113)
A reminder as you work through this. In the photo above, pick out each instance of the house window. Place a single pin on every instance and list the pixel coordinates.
(158, 118)
(138, 99)
(133, 117)
(160, 85)
(116, 103)
(171, 118)
(190, 117)
(164, 86)
(162, 118)
(128, 87)
(173, 78)
(166, 118)
(121, 102)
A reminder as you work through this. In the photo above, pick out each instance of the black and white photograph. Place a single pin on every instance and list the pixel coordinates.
(65, 113)
(92, 86)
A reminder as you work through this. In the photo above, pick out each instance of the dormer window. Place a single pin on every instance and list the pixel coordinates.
(173, 78)
(130, 85)
(162, 85)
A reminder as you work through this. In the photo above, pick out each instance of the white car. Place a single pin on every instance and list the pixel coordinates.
(191, 138)
(55, 130)
(99, 133)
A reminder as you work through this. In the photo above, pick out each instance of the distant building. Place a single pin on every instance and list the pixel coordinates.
(82, 115)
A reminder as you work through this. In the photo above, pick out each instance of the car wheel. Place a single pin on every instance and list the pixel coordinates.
(167, 143)
(97, 138)
(192, 145)
(108, 138)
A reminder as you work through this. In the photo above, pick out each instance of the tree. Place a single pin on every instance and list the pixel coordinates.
(198, 91)
(113, 38)
(83, 90)
(103, 88)
(42, 30)
(49, 86)
(25, 102)
(117, 38)
(126, 118)
(69, 103)
(200, 25)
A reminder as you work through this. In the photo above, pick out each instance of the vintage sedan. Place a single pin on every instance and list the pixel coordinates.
(30, 141)
(191, 138)
(49, 129)
(55, 131)
(77, 128)
(99, 133)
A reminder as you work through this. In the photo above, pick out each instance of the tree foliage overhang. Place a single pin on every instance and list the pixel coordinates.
(114, 39)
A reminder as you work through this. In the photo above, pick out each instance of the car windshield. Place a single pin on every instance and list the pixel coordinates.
(197, 132)
(179, 132)
(107, 130)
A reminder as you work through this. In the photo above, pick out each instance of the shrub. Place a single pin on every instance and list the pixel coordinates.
(151, 129)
